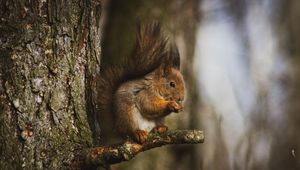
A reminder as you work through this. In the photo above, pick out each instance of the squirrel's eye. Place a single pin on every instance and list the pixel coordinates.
(172, 84)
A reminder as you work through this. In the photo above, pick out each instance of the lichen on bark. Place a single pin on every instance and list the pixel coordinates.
(43, 75)
(107, 155)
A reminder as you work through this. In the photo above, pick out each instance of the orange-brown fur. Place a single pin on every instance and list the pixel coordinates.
(145, 89)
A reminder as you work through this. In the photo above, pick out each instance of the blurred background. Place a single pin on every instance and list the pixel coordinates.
(240, 59)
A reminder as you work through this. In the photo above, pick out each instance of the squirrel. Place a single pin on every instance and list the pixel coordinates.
(139, 93)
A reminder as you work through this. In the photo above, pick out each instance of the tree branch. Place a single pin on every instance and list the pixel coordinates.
(107, 155)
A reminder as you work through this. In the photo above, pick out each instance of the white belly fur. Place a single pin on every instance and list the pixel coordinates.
(141, 122)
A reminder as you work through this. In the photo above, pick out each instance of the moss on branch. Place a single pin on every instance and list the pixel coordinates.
(107, 155)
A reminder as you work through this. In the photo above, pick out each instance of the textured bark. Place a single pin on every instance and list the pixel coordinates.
(48, 64)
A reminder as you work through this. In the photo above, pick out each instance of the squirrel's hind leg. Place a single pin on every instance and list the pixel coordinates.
(128, 123)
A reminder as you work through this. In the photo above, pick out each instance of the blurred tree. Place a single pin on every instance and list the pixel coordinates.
(286, 144)
(269, 47)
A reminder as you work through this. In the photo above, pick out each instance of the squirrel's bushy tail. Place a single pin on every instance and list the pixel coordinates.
(152, 49)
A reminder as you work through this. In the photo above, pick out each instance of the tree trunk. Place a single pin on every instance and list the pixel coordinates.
(48, 65)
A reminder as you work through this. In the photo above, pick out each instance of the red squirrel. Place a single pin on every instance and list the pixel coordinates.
(141, 92)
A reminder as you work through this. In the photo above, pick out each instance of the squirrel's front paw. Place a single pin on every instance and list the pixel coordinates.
(140, 136)
(175, 107)
(160, 129)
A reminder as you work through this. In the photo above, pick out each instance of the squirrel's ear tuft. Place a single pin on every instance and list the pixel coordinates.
(171, 57)
(174, 56)
(164, 70)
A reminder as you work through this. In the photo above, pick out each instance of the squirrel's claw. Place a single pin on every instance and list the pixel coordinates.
(140, 136)
(160, 129)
